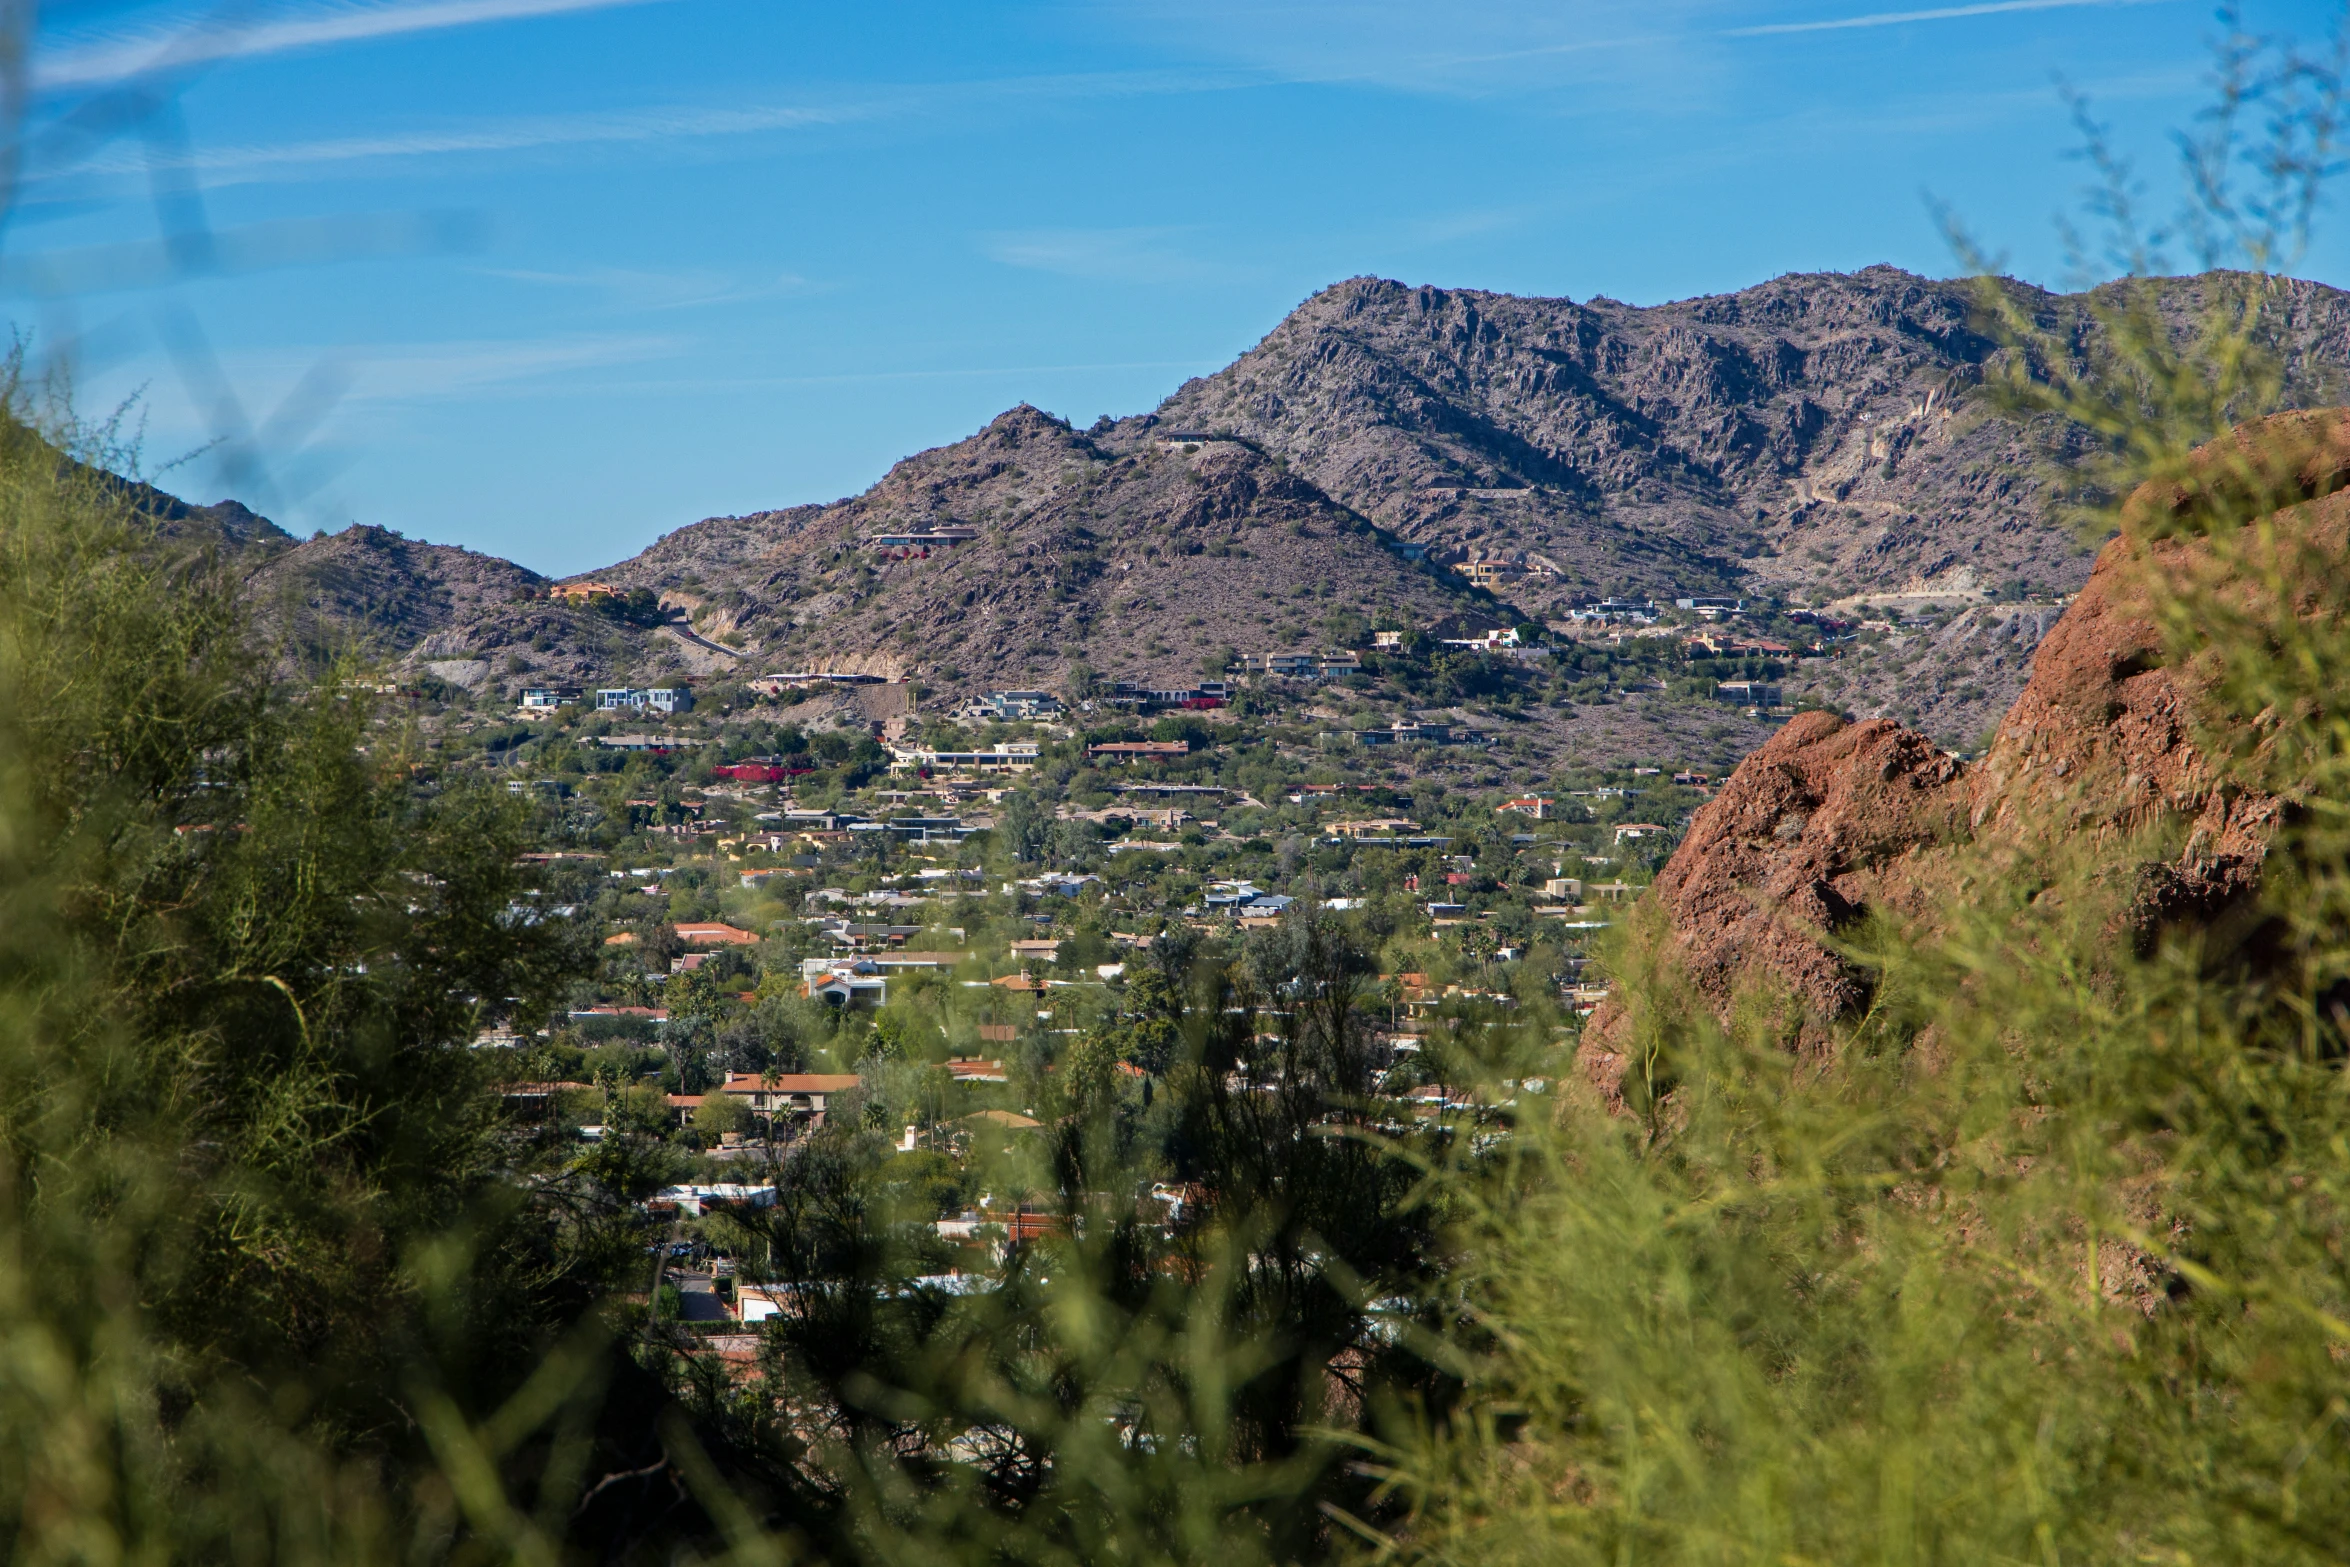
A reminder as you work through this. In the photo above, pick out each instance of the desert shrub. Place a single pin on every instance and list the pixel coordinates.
(260, 1240)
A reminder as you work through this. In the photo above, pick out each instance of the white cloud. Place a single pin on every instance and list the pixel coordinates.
(1123, 255)
(653, 289)
(429, 372)
(327, 157)
(1616, 48)
(97, 60)
(1947, 13)
(233, 164)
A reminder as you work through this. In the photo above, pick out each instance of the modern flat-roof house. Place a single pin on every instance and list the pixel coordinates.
(921, 541)
(659, 699)
(1011, 756)
(1023, 704)
(697, 1199)
(1203, 694)
(1494, 573)
(1290, 666)
(656, 698)
(1139, 750)
(545, 699)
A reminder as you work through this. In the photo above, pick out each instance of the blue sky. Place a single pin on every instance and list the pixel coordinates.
(551, 277)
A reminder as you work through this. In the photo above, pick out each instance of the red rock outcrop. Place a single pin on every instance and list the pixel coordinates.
(1797, 846)
(1830, 820)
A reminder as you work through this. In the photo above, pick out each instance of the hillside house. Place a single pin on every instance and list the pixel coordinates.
(840, 985)
(1712, 606)
(917, 543)
(1202, 696)
(546, 699)
(1608, 611)
(581, 592)
(715, 935)
(1010, 756)
(1533, 805)
(1493, 574)
(1376, 826)
(1287, 666)
(803, 1096)
(657, 699)
(1139, 751)
(1009, 705)
(1747, 693)
(1629, 832)
(697, 1200)
(808, 679)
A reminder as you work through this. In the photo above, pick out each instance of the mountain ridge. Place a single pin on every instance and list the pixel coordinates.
(1814, 438)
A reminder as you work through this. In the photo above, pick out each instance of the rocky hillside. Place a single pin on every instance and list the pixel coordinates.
(1137, 557)
(1812, 436)
(370, 591)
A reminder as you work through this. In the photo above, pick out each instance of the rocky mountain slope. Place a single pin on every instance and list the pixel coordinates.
(370, 591)
(1140, 559)
(1811, 437)
(1818, 439)
(366, 591)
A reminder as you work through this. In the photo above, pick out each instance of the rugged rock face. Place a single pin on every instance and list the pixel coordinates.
(1804, 839)
(1830, 820)
(1811, 434)
(2105, 737)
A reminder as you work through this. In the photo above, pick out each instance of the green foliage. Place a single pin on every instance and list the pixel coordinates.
(251, 1182)
(720, 1113)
